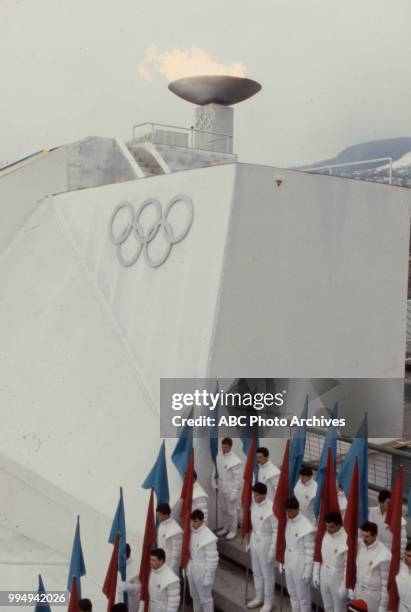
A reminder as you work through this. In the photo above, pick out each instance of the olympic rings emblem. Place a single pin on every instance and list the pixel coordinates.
(144, 238)
(205, 119)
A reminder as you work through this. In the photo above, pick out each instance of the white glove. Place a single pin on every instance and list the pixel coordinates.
(121, 587)
(351, 594)
(316, 582)
(342, 592)
(270, 558)
(280, 567)
(316, 576)
(207, 582)
(233, 497)
(306, 576)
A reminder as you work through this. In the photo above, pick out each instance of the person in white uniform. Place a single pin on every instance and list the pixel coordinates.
(262, 546)
(200, 499)
(229, 485)
(305, 491)
(163, 585)
(202, 565)
(373, 563)
(377, 515)
(329, 574)
(298, 558)
(131, 585)
(268, 473)
(403, 580)
(169, 536)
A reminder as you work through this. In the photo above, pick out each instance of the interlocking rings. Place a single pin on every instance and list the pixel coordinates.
(205, 119)
(143, 238)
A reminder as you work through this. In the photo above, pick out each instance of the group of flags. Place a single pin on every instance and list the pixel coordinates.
(353, 478)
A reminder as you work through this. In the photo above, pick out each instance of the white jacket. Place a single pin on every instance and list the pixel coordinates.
(299, 542)
(384, 532)
(170, 538)
(305, 493)
(203, 552)
(230, 475)
(403, 580)
(269, 474)
(131, 586)
(164, 590)
(373, 563)
(333, 553)
(264, 525)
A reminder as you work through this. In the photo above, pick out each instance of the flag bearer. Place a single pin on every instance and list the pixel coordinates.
(203, 563)
(373, 563)
(329, 574)
(229, 485)
(305, 491)
(377, 514)
(268, 473)
(403, 581)
(298, 557)
(164, 585)
(131, 585)
(169, 537)
(262, 545)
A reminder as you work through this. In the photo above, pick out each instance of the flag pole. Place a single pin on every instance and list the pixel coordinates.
(282, 589)
(247, 571)
(184, 589)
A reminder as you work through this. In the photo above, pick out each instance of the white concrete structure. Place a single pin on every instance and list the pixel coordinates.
(281, 274)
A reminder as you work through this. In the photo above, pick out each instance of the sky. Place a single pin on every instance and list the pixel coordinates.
(333, 72)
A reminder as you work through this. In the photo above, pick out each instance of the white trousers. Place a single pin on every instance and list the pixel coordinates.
(330, 582)
(263, 571)
(300, 593)
(371, 597)
(202, 596)
(228, 511)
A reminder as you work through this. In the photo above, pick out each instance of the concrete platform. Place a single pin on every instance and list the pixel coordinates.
(230, 583)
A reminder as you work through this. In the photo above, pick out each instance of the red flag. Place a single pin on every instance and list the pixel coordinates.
(110, 583)
(246, 495)
(149, 542)
(187, 497)
(351, 519)
(281, 495)
(73, 603)
(393, 520)
(328, 503)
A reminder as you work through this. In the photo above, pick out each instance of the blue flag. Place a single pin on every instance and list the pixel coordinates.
(119, 526)
(359, 448)
(330, 441)
(42, 607)
(182, 452)
(77, 565)
(157, 478)
(297, 449)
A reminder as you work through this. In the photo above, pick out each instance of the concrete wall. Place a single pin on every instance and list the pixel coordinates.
(315, 278)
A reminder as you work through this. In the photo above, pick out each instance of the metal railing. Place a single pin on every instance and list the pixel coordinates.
(354, 163)
(383, 461)
(188, 138)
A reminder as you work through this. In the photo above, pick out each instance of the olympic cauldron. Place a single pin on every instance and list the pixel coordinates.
(213, 117)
